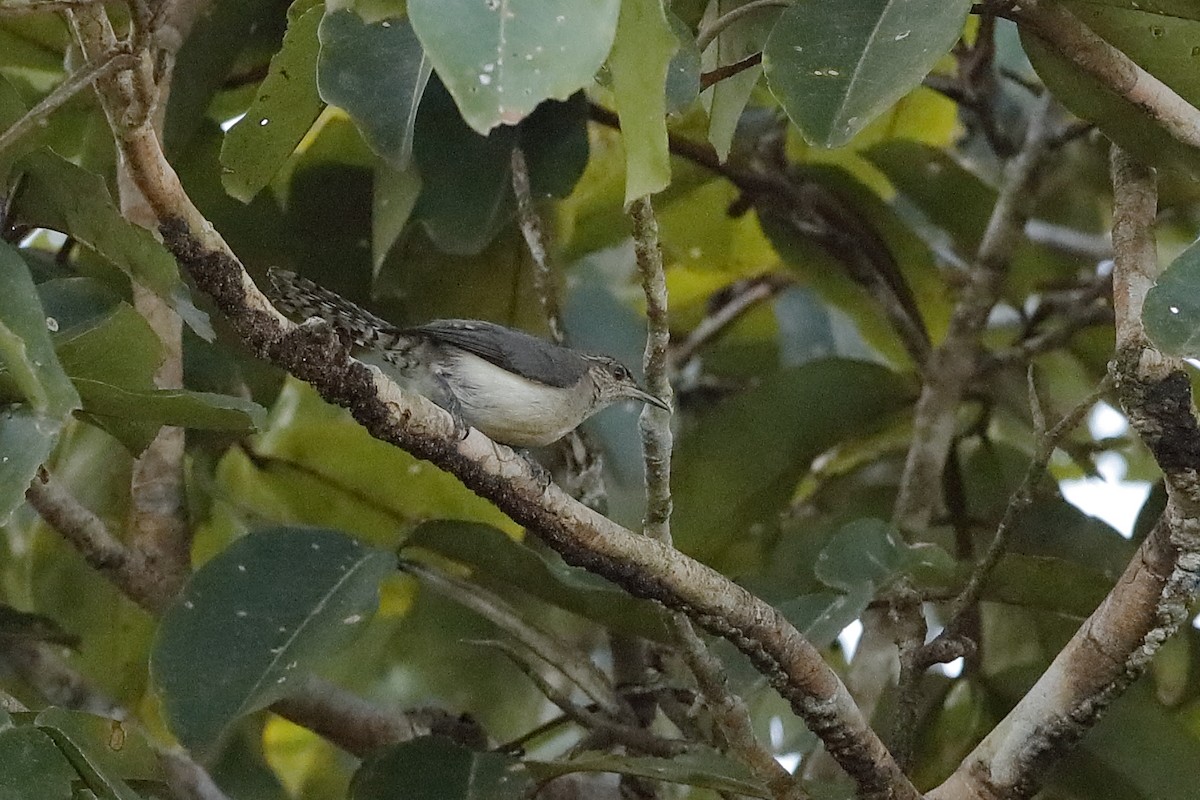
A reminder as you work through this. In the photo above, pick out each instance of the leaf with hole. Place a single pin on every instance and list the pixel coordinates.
(284, 108)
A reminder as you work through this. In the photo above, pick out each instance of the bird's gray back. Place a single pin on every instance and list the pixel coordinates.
(509, 349)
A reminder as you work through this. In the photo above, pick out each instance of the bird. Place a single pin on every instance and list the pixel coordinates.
(514, 387)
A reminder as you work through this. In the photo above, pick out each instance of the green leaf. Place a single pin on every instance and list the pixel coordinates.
(699, 767)
(393, 196)
(25, 344)
(281, 600)
(179, 407)
(26, 441)
(466, 194)
(28, 432)
(742, 462)
(638, 63)
(284, 108)
(835, 70)
(496, 559)
(105, 753)
(112, 360)
(1162, 43)
(377, 72)
(683, 73)
(728, 97)
(34, 767)
(1172, 309)
(821, 617)
(431, 768)
(865, 551)
(61, 196)
(501, 58)
(12, 108)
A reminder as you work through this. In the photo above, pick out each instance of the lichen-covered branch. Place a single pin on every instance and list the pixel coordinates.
(1150, 600)
(1069, 37)
(643, 566)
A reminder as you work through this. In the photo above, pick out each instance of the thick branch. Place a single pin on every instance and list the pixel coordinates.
(1150, 600)
(644, 567)
(1054, 24)
(953, 363)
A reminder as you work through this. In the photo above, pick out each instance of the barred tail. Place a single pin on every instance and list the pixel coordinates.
(300, 297)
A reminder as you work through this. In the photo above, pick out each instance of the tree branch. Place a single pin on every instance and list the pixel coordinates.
(78, 80)
(644, 567)
(1150, 600)
(730, 711)
(953, 363)
(1054, 24)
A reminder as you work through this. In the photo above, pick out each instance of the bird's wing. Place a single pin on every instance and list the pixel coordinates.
(512, 350)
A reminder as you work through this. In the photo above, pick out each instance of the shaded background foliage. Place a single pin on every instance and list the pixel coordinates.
(368, 146)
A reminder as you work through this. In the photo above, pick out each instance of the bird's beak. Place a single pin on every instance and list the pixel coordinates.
(646, 397)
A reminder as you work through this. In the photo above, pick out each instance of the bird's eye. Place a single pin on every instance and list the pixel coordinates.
(621, 373)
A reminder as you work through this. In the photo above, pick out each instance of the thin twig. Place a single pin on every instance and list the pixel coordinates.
(950, 368)
(638, 739)
(123, 567)
(78, 80)
(544, 281)
(542, 643)
(736, 300)
(731, 712)
(711, 31)
(718, 74)
(1018, 501)
(655, 423)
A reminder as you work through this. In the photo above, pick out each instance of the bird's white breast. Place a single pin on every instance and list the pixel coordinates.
(512, 409)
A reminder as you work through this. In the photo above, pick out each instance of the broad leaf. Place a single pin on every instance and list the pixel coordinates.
(282, 112)
(25, 344)
(112, 360)
(835, 67)
(728, 97)
(742, 462)
(640, 56)
(104, 752)
(34, 767)
(821, 617)
(393, 196)
(281, 599)
(866, 551)
(501, 58)
(377, 72)
(432, 768)
(466, 194)
(1172, 309)
(28, 431)
(64, 197)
